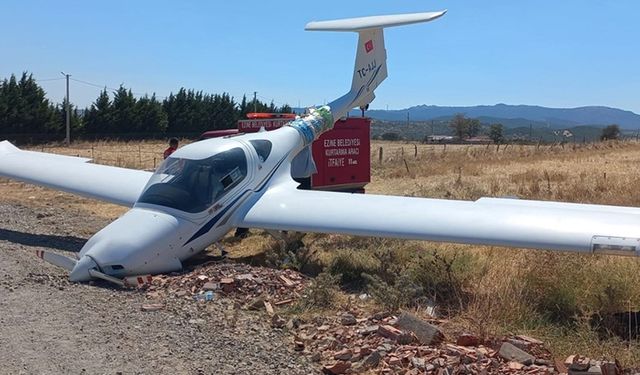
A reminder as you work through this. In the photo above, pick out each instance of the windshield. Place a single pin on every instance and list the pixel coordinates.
(194, 185)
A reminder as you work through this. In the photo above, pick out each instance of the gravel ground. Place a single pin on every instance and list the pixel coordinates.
(51, 326)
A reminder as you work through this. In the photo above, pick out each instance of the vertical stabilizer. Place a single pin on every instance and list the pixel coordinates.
(371, 57)
(371, 66)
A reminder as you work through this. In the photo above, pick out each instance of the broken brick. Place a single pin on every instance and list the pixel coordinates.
(467, 339)
(337, 368)
(389, 332)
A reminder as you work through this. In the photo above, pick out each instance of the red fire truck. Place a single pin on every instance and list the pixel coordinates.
(342, 155)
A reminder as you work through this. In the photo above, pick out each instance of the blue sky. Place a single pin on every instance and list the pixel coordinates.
(553, 53)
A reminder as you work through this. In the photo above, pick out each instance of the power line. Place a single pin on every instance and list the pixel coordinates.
(268, 100)
(49, 79)
(274, 101)
(113, 89)
(92, 84)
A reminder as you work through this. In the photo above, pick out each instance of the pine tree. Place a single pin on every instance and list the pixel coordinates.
(150, 116)
(24, 107)
(99, 118)
(124, 105)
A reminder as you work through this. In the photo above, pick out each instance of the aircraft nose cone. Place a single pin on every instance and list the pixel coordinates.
(80, 271)
(139, 242)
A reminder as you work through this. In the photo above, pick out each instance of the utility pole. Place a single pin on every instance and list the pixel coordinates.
(255, 103)
(67, 139)
(530, 132)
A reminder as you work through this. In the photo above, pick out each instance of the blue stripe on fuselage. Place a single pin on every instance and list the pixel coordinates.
(207, 227)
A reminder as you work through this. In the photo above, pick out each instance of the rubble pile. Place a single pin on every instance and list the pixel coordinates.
(383, 343)
(241, 282)
(406, 344)
(356, 342)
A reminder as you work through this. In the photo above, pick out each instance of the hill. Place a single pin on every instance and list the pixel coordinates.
(513, 116)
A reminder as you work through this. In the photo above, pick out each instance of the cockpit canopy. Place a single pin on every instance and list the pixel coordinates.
(195, 185)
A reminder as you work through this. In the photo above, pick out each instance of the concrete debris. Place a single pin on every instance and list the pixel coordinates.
(427, 333)
(348, 319)
(579, 365)
(368, 330)
(373, 360)
(520, 344)
(510, 352)
(354, 341)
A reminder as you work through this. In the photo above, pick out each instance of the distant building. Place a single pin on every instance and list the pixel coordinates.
(439, 139)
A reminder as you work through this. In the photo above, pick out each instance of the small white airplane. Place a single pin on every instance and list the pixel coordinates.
(207, 188)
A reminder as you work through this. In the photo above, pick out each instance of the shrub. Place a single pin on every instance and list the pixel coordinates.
(349, 265)
(403, 292)
(321, 293)
(443, 276)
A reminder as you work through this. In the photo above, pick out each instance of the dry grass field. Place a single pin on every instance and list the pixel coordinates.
(575, 303)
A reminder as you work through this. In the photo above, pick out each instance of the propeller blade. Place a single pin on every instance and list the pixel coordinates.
(99, 275)
(56, 259)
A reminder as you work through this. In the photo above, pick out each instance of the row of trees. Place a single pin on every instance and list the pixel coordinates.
(24, 109)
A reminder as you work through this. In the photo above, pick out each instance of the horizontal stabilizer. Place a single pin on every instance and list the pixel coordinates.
(374, 22)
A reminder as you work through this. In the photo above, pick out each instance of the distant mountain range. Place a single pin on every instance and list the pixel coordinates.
(514, 116)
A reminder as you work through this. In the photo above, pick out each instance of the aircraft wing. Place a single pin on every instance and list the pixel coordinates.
(112, 184)
(488, 221)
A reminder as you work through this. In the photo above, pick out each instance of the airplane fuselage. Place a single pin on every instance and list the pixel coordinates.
(162, 229)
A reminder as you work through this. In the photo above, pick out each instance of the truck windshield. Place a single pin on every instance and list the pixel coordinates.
(194, 185)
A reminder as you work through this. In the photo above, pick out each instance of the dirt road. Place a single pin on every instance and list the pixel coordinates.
(51, 326)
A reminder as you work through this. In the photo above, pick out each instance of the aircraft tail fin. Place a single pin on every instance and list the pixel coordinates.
(371, 57)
